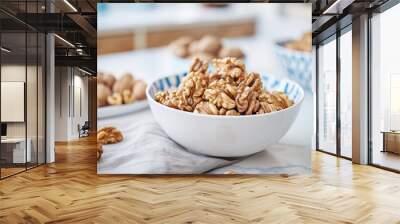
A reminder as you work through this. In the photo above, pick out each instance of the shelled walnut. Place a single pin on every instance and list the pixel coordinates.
(127, 96)
(99, 151)
(126, 82)
(106, 79)
(209, 44)
(103, 92)
(180, 47)
(228, 90)
(115, 99)
(206, 48)
(139, 90)
(125, 90)
(302, 44)
(231, 52)
(109, 135)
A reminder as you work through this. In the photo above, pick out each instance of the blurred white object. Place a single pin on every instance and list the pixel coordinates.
(117, 110)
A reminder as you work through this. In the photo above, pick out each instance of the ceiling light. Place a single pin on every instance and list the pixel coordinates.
(84, 71)
(70, 5)
(337, 7)
(65, 41)
(5, 50)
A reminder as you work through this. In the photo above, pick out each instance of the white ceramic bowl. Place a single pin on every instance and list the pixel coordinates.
(225, 136)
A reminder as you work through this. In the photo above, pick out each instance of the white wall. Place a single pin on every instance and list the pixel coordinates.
(61, 103)
(70, 83)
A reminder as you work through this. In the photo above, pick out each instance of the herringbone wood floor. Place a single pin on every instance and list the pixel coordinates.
(70, 191)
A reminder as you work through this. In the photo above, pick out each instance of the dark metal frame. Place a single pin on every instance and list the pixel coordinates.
(389, 4)
(0, 91)
(335, 37)
(44, 77)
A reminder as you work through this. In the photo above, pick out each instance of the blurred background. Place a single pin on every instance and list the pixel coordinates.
(134, 37)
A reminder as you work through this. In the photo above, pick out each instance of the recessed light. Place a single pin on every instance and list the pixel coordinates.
(84, 71)
(64, 40)
(70, 5)
(5, 50)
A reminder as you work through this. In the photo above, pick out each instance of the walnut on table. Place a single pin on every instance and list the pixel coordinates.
(125, 90)
(210, 45)
(180, 47)
(127, 96)
(126, 82)
(109, 135)
(103, 92)
(106, 79)
(206, 48)
(99, 151)
(233, 52)
(139, 90)
(115, 99)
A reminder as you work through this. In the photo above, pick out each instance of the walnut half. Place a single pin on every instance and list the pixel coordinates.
(109, 135)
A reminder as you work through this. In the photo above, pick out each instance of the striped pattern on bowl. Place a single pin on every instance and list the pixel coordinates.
(297, 64)
(290, 88)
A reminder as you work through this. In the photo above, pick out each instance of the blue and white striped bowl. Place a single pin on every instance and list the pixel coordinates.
(225, 136)
(297, 64)
(290, 88)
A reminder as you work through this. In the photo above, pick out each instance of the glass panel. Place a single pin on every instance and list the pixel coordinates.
(13, 78)
(346, 94)
(314, 72)
(31, 88)
(23, 90)
(327, 97)
(31, 98)
(385, 84)
(41, 98)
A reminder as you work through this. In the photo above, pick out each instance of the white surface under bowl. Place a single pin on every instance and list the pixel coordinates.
(118, 110)
(225, 136)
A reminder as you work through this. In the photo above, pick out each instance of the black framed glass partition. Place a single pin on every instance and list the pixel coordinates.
(326, 90)
(334, 94)
(22, 77)
(384, 100)
(14, 153)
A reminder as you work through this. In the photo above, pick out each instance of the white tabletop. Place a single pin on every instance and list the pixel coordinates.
(13, 140)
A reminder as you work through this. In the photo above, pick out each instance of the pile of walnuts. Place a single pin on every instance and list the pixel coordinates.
(112, 91)
(206, 48)
(228, 90)
(302, 44)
